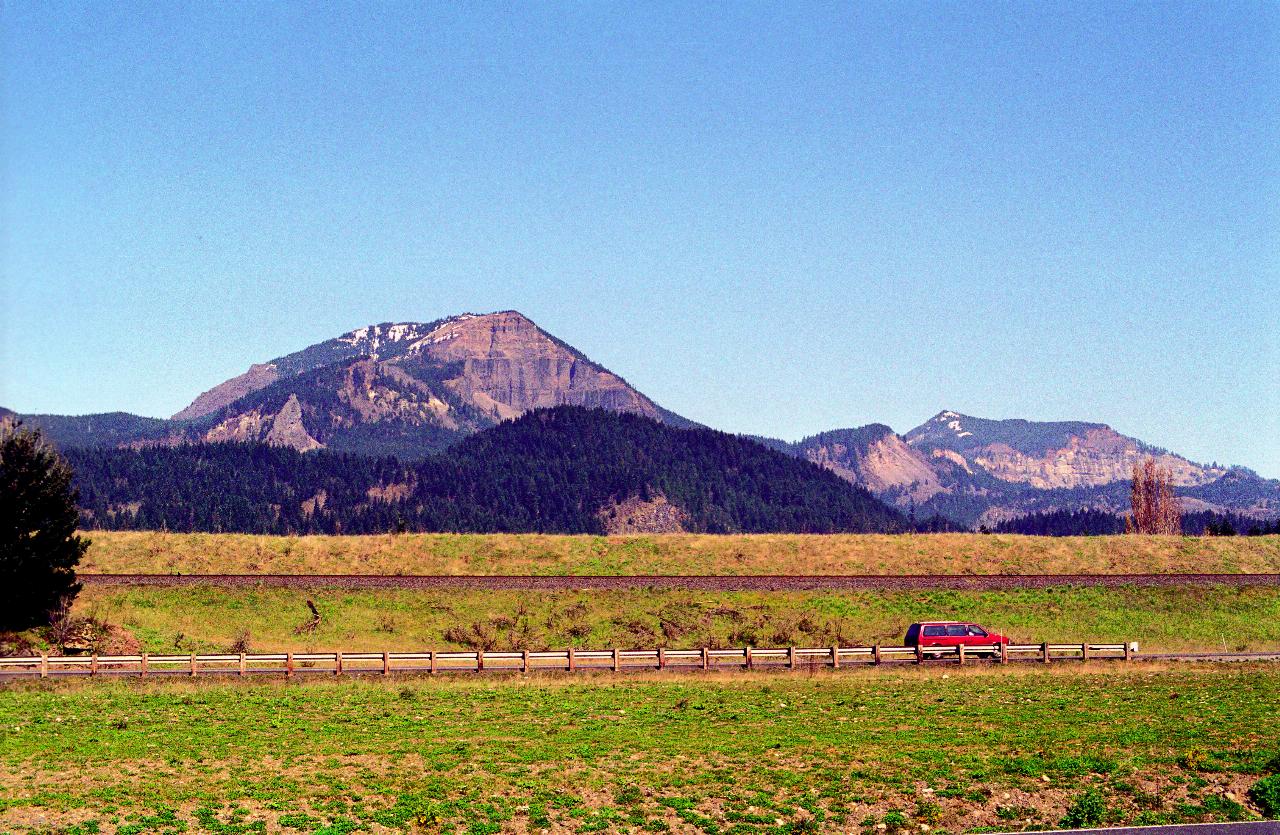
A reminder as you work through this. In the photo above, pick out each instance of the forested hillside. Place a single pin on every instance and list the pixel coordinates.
(563, 470)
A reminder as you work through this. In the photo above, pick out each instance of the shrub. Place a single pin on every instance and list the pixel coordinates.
(1266, 793)
(1088, 809)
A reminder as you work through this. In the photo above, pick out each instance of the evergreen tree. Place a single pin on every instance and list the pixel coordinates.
(39, 549)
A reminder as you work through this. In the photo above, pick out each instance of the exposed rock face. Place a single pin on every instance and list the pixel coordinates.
(1046, 455)
(1101, 456)
(509, 366)
(411, 388)
(256, 378)
(636, 516)
(878, 459)
(287, 428)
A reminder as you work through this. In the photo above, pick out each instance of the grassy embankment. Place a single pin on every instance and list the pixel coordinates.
(201, 619)
(161, 553)
(960, 751)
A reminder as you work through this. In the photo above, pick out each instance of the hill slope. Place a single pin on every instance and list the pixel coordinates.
(563, 470)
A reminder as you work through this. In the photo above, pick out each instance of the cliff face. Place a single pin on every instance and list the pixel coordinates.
(1101, 456)
(876, 458)
(410, 388)
(1047, 455)
(507, 366)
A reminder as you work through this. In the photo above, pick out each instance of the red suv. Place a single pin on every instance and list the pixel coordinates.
(950, 634)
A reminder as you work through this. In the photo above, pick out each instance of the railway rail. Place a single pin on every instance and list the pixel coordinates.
(719, 582)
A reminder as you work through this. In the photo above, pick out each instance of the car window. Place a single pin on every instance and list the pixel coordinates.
(956, 630)
(977, 631)
(934, 631)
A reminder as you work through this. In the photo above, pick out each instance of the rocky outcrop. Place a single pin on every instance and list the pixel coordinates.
(507, 366)
(287, 428)
(1100, 456)
(637, 516)
(884, 464)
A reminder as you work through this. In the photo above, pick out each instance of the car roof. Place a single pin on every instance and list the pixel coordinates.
(946, 622)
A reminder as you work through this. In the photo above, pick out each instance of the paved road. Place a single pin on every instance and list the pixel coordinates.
(1254, 828)
(775, 582)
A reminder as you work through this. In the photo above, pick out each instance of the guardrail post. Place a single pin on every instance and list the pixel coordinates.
(193, 665)
(1128, 654)
(791, 658)
(44, 665)
(705, 659)
(93, 665)
(960, 653)
(747, 657)
(1084, 652)
(662, 658)
(919, 654)
(875, 653)
(835, 657)
(1044, 652)
(616, 664)
(288, 665)
(142, 666)
(573, 665)
(243, 664)
(1004, 653)
(386, 663)
(337, 663)
(524, 661)
(434, 653)
(479, 660)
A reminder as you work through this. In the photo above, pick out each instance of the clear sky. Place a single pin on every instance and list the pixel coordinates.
(771, 218)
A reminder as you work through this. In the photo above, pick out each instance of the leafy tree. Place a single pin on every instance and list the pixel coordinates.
(39, 548)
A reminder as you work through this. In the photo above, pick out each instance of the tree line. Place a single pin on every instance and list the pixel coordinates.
(549, 471)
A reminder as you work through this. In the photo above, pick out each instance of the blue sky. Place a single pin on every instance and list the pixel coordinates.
(772, 218)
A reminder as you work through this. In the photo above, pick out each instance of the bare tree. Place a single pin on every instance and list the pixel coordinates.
(1154, 507)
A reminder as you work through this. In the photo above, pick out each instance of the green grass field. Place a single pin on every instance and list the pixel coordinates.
(165, 553)
(722, 753)
(205, 619)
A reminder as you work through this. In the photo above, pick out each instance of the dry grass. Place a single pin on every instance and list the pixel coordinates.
(166, 553)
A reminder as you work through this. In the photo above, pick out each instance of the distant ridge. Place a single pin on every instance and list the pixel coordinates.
(412, 389)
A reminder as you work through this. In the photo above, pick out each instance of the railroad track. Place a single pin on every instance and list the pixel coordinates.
(759, 582)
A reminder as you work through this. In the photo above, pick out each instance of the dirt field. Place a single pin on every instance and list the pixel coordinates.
(956, 751)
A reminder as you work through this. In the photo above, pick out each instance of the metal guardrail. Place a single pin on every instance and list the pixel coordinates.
(567, 660)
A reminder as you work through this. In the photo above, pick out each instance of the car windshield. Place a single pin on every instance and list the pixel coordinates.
(956, 630)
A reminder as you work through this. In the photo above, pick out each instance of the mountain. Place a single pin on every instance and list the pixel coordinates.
(978, 471)
(1047, 455)
(406, 389)
(561, 470)
(414, 389)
